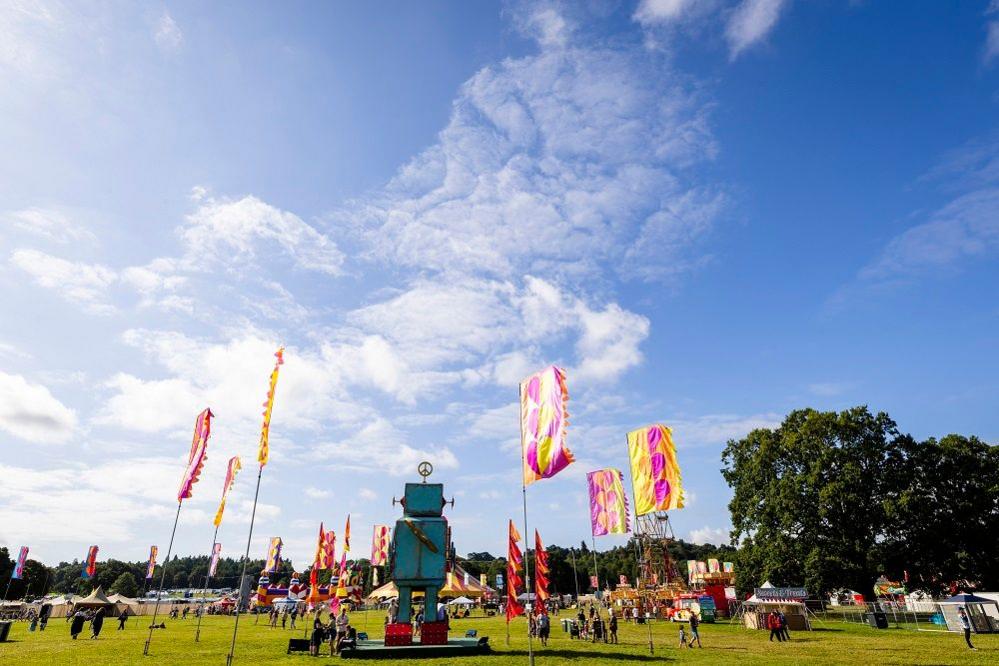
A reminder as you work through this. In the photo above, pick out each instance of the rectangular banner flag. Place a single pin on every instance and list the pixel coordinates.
(230, 478)
(499, 581)
(482, 580)
(622, 579)
(655, 473)
(213, 564)
(264, 452)
(22, 557)
(608, 503)
(593, 582)
(702, 568)
(329, 548)
(151, 564)
(728, 567)
(273, 555)
(714, 566)
(90, 565)
(691, 571)
(199, 452)
(380, 546)
(544, 421)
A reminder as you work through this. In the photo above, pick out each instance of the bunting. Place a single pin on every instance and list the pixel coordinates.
(214, 563)
(514, 565)
(22, 558)
(90, 564)
(655, 472)
(230, 478)
(264, 452)
(543, 423)
(273, 555)
(151, 564)
(608, 503)
(199, 453)
(379, 546)
(541, 571)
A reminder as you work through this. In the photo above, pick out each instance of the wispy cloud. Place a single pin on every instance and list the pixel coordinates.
(30, 411)
(77, 282)
(709, 535)
(167, 34)
(751, 22)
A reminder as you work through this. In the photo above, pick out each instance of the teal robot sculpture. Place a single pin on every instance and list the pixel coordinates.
(421, 546)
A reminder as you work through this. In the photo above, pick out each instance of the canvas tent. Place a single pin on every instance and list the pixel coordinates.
(982, 612)
(767, 598)
(123, 603)
(454, 587)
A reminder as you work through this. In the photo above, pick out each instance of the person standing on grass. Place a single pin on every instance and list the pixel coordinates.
(77, 626)
(612, 626)
(966, 626)
(783, 625)
(683, 635)
(284, 619)
(695, 634)
(773, 624)
(97, 623)
(544, 628)
(342, 629)
(122, 619)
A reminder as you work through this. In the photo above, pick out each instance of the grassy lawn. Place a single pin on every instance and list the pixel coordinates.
(833, 643)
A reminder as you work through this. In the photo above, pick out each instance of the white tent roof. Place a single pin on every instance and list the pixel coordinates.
(460, 600)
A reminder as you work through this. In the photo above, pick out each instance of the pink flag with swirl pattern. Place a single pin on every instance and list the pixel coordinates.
(655, 472)
(544, 420)
(608, 502)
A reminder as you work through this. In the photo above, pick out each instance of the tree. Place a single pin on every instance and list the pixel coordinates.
(808, 500)
(125, 585)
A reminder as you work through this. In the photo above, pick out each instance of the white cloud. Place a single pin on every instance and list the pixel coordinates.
(231, 232)
(167, 34)
(367, 494)
(379, 447)
(829, 388)
(714, 429)
(30, 412)
(709, 535)
(665, 12)
(991, 41)
(751, 21)
(49, 223)
(80, 283)
(316, 493)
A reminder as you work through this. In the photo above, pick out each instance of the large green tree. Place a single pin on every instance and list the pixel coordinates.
(125, 585)
(809, 498)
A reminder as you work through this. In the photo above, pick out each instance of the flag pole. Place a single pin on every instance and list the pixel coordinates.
(246, 557)
(527, 563)
(159, 591)
(575, 576)
(596, 571)
(208, 573)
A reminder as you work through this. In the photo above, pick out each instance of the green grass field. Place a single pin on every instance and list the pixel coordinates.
(831, 643)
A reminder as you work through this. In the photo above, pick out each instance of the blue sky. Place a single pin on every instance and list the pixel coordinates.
(710, 212)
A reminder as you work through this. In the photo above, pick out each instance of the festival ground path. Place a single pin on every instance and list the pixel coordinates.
(836, 643)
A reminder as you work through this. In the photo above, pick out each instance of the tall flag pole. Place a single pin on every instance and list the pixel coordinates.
(195, 463)
(232, 469)
(263, 453)
(544, 421)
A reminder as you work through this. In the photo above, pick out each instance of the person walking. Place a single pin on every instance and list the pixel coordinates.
(965, 621)
(773, 624)
(783, 625)
(77, 626)
(695, 634)
(294, 616)
(97, 623)
(612, 626)
(683, 635)
(284, 619)
(318, 636)
(122, 619)
(544, 628)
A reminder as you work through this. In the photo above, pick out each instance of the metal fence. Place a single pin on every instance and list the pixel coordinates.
(925, 616)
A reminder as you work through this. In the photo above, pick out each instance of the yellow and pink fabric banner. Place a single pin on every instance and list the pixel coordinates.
(151, 564)
(544, 420)
(273, 555)
(380, 546)
(655, 472)
(198, 455)
(230, 478)
(264, 452)
(608, 503)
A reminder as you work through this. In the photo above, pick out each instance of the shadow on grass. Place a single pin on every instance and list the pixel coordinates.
(569, 655)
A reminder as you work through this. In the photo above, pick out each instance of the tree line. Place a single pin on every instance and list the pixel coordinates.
(831, 500)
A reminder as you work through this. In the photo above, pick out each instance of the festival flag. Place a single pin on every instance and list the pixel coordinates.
(151, 564)
(273, 555)
(514, 564)
(22, 557)
(622, 579)
(714, 566)
(594, 583)
(702, 568)
(329, 548)
(199, 453)
(90, 564)
(230, 478)
(543, 423)
(499, 581)
(214, 562)
(728, 567)
(319, 559)
(609, 512)
(655, 472)
(691, 570)
(265, 431)
(541, 571)
(346, 536)
(482, 580)
(379, 546)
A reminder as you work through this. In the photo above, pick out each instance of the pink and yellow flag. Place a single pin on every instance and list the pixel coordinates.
(273, 555)
(264, 452)
(380, 546)
(714, 566)
(655, 472)
(199, 452)
(346, 536)
(90, 565)
(329, 548)
(608, 503)
(230, 478)
(151, 564)
(214, 562)
(544, 421)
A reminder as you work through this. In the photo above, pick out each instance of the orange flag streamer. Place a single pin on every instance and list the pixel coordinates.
(515, 564)
(265, 432)
(541, 571)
